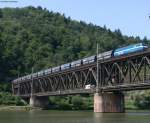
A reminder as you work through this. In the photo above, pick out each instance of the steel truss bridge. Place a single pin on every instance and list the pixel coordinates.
(124, 73)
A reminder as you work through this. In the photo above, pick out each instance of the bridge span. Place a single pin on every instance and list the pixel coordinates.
(118, 74)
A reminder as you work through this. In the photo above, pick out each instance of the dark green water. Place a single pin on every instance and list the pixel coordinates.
(74, 117)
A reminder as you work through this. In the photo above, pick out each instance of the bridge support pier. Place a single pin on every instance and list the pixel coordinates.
(41, 102)
(108, 102)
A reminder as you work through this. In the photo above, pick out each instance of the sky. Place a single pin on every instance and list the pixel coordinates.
(130, 16)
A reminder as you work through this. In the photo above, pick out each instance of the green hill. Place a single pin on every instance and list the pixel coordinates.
(37, 37)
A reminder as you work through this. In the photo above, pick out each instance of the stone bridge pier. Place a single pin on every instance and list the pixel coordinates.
(109, 102)
(105, 102)
(36, 101)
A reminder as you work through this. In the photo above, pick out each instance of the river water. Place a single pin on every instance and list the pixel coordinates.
(73, 117)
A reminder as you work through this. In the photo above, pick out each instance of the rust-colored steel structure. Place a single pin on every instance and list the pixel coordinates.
(124, 73)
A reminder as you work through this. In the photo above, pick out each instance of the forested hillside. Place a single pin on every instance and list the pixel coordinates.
(40, 38)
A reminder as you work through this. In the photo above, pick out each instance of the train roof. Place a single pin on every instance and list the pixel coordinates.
(129, 46)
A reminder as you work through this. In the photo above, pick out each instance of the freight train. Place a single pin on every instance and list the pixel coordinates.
(102, 56)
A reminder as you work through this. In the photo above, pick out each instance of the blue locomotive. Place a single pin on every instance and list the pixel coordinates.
(129, 49)
(102, 56)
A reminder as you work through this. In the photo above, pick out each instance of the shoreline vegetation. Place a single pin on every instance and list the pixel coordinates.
(29, 108)
(18, 108)
(77, 102)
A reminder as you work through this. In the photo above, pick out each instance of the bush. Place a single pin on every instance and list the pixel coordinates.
(141, 99)
(63, 105)
(8, 99)
(5, 87)
(60, 102)
(77, 102)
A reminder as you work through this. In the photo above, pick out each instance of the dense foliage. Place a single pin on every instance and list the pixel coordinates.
(141, 99)
(35, 37)
(8, 99)
(5, 87)
(78, 102)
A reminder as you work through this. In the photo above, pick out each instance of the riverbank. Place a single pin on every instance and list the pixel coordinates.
(29, 108)
(18, 108)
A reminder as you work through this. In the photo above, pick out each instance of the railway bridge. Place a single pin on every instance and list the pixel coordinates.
(107, 82)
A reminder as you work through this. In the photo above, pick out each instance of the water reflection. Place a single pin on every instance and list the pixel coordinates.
(98, 117)
(74, 117)
(110, 117)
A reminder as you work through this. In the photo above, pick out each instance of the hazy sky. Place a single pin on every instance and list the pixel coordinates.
(130, 16)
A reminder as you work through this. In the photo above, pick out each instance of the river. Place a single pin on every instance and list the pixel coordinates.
(73, 117)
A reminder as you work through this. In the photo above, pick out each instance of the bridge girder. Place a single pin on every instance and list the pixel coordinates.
(122, 73)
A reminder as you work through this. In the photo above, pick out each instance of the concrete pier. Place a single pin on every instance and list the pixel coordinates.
(38, 101)
(108, 102)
